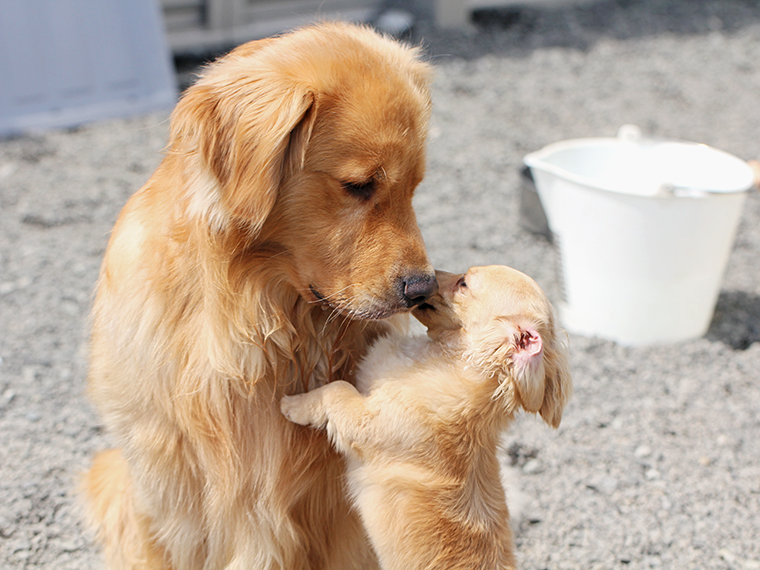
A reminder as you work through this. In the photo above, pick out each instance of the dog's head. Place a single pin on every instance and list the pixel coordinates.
(501, 322)
(313, 143)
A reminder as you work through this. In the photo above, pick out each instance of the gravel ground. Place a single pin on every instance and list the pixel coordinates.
(657, 461)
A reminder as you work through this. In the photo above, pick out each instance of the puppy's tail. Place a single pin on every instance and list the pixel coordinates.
(122, 533)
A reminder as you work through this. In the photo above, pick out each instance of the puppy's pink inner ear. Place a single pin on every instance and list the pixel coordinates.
(528, 360)
(529, 344)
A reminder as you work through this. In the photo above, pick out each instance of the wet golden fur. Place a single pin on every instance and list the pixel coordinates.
(421, 428)
(255, 262)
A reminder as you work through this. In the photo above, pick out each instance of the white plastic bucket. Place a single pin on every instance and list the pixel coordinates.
(644, 229)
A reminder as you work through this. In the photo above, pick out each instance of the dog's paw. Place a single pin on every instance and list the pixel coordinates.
(299, 409)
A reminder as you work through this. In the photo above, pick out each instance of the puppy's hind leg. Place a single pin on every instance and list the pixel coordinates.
(336, 406)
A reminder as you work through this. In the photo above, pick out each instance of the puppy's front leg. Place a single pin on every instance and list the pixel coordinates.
(337, 406)
(306, 409)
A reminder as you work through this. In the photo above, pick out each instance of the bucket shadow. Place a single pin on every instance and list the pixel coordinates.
(736, 321)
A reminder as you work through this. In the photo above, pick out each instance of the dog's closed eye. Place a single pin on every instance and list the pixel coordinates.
(362, 190)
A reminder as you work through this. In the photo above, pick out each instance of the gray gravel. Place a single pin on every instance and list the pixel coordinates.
(657, 461)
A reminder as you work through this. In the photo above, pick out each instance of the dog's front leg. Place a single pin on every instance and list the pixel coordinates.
(336, 406)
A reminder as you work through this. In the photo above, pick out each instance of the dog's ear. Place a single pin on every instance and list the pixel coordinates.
(247, 134)
(513, 351)
(533, 358)
(526, 356)
(557, 381)
(541, 370)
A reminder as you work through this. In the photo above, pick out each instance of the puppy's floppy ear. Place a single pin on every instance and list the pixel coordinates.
(513, 350)
(538, 364)
(247, 132)
(526, 353)
(558, 383)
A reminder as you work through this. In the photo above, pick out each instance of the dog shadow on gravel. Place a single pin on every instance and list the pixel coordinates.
(736, 322)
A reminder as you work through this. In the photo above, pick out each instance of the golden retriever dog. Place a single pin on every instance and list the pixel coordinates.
(421, 428)
(275, 241)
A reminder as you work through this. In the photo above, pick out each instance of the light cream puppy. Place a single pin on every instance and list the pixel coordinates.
(421, 429)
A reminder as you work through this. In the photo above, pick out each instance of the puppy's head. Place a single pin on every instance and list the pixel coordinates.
(314, 143)
(502, 323)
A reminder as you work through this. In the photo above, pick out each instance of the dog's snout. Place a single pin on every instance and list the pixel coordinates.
(418, 289)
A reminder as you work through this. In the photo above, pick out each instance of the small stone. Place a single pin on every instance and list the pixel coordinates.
(29, 373)
(22, 549)
(652, 474)
(33, 417)
(643, 451)
(68, 546)
(7, 170)
(70, 308)
(608, 485)
(6, 398)
(533, 466)
(705, 461)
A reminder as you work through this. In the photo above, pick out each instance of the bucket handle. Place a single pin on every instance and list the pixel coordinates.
(633, 134)
(669, 190)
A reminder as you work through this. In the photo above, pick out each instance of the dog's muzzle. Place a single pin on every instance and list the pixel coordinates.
(418, 289)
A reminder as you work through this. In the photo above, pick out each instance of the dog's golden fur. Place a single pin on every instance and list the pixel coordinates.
(257, 261)
(421, 432)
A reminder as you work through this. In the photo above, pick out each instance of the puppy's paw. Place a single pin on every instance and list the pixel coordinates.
(302, 409)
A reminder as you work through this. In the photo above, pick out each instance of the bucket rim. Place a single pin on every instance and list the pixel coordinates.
(538, 160)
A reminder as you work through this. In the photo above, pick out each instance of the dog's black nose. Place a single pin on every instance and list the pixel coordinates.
(418, 289)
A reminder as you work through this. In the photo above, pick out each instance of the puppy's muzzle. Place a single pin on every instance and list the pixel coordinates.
(417, 289)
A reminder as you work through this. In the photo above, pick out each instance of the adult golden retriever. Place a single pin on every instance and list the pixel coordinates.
(421, 428)
(274, 242)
